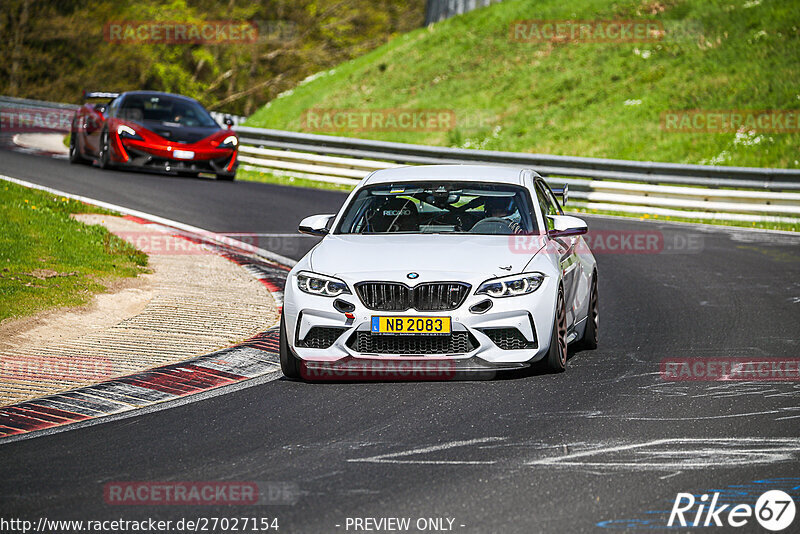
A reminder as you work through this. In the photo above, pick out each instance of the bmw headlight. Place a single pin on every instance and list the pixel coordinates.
(319, 284)
(229, 142)
(126, 132)
(511, 286)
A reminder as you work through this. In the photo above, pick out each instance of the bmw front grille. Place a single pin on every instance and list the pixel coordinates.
(428, 296)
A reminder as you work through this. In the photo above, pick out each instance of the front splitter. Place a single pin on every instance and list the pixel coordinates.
(399, 369)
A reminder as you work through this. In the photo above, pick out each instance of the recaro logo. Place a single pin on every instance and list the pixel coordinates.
(774, 510)
(390, 213)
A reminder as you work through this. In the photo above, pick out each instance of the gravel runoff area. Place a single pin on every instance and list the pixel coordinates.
(52, 143)
(193, 302)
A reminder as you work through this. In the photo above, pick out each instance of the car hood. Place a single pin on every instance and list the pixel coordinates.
(180, 134)
(432, 256)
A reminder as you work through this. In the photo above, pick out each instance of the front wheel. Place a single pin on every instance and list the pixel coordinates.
(290, 364)
(104, 156)
(74, 150)
(556, 359)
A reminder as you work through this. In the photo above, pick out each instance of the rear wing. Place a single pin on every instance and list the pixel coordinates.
(99, 95)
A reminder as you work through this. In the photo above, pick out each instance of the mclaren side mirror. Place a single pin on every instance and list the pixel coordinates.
(315, 225)
(566, 225)
(228, 121)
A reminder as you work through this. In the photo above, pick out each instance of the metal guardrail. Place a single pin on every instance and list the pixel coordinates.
(10, 101)
(602, 169)
(695, 191)
(437, 10)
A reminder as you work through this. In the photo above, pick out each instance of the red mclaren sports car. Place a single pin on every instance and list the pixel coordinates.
(151, 130)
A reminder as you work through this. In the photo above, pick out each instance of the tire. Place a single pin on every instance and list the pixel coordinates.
(75, 156)
(103, 157)
(226, 177)
(591, 334)
(556, 359)
(290, 364)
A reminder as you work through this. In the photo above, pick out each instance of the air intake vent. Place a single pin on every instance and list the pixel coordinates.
(509, 338)
(456, 343)
(320, 337)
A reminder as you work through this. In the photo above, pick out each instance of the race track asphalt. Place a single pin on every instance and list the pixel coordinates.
(606, 445)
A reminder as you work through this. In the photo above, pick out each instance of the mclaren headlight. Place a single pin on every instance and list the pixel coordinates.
(126, 132)
(511, 286)
(229, 142)
(319, 284)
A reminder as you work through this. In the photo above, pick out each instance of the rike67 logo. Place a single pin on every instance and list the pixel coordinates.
(774, 510)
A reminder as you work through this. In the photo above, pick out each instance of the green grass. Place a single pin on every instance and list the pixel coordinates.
(49, 260)
(570, 98)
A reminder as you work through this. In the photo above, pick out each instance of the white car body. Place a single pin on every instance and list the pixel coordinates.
(354, 259)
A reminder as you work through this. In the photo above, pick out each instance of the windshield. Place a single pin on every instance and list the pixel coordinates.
(439, 207)
(166, 110)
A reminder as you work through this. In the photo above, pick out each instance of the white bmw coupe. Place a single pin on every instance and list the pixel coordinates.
(468, 266)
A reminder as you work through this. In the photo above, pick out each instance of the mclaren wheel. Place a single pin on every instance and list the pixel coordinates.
(104, 156)
(74, 150)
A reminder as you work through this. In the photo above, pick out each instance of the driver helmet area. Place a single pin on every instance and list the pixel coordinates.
(395, 215)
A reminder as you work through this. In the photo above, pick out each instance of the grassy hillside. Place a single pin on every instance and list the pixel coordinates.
(577, 98)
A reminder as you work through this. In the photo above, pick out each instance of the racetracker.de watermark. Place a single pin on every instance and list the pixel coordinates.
(199, 493)
(731, 121)
(159, 244)
(151, 242)
(33, 120)
(614, 242)
(586, 31)
(181, 32)
(378, 120)
(730, 369)
(346, 370)
(59, 368)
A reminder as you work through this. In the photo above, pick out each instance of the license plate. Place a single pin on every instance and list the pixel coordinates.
(411, 325)
(183, 154)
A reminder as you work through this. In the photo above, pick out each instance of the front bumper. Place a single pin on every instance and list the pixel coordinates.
(224, 163)
(513, 333)
(135, 153)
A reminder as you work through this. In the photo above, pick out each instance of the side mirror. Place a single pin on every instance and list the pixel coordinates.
(100, 108)
(315, 225)
(566, 225)
(562, 192)
(228, 121)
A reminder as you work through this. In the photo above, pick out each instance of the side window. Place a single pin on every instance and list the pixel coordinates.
(113, 106)
(545, 207)
(551, 199)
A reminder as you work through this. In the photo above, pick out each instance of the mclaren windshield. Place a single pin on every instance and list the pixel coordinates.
(166, 110)
(439, 208)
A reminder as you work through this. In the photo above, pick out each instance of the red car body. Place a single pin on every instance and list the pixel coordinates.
(152, 130)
